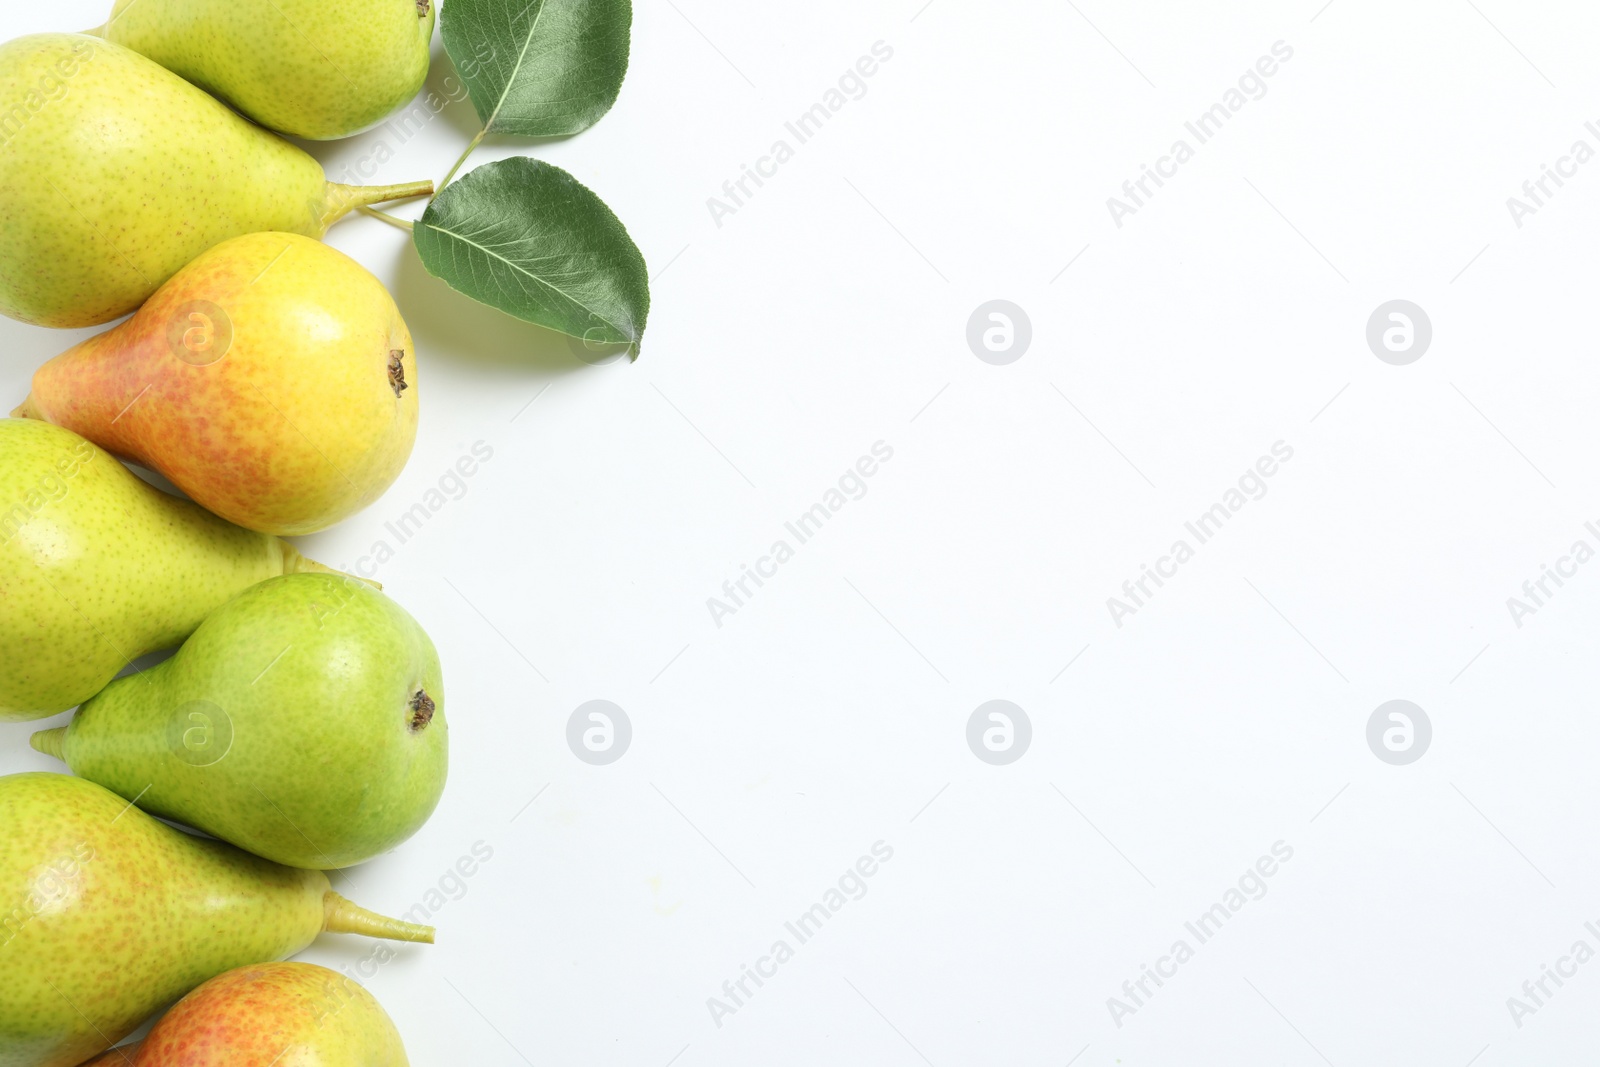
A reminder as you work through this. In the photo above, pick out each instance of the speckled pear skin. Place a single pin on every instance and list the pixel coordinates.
(276, 1014)
(309, 68)
(97, 567)
(109, 912)
(117, 173)
(322, 741)
(272, 380)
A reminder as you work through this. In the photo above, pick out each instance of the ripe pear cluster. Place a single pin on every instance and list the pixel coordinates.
(299, 723)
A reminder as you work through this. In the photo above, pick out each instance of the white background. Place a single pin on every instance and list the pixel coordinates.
(830, 712)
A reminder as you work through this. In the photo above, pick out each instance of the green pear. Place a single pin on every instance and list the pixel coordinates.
(97, 568)
(117, 173)
(309, 68)
(276, 1013)
(303, 722)
(108, 914)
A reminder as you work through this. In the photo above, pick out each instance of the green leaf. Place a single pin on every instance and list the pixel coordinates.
(539, 68)
(526, 237)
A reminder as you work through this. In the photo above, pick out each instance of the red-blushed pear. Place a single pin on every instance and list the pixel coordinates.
(275, 1014)
(272, 380)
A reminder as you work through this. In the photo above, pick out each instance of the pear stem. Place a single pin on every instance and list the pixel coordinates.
(397, 223)
(343, 917)
(472, 147)
(295, 563)
(343, 199)
(50, 741)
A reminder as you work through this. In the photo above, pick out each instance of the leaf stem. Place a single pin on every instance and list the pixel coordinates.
(397, 223)
(476, 141)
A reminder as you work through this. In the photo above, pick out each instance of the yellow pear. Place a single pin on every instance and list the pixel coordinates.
(116, 173)
(111, 914)
(98, 567)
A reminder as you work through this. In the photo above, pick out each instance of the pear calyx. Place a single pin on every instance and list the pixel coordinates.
(422, 709)
(50, 742)
(343, 917)
(397, 371)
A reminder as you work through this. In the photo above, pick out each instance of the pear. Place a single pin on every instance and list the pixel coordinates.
(110, 914)
(303, 722)
(117, 173)
(97, 568)
(309, 68)
(275, 1013)
(121, 1056)
(272, 380)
